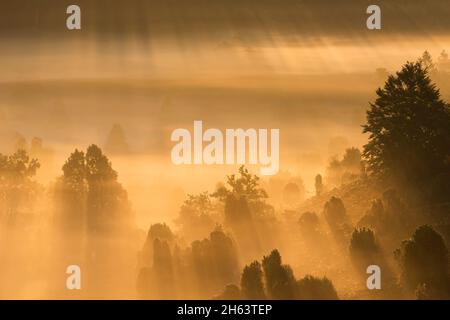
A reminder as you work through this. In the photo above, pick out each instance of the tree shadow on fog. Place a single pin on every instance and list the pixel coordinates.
(196, 272)
(94, 220)
(338, 221)
(315, 239)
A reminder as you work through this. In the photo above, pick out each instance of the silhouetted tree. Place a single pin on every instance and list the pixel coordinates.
(280, 281)
(286, 188)
(163, 269)
(70, 196)
(159, 231)
(239, 219)
(443, 62)
(224, 255)
(427, 62)
(409, 127)
(116, 142)
(424, 263)
(231, 292)
(346, 170)
(245, 184)
(352, 158)
(318, 185)
(247, 213)
(237, 211)
(17, 188)
(312, 288)
(252, 285)
(309, 222)
(337, 219)
(157, 281)
(364, 250)
(107, 201)
(312, 235)
(215, 261)
(98, 204)
(335, 212)
(389, 218)
(197, 216)
(71, 193)
(89, 196)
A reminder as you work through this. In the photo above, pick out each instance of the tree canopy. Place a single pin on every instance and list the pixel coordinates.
(409, 127)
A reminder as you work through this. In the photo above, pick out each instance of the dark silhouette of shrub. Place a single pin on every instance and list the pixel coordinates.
(318, 184)
(337, 219)
(231, 292)
(309, 223)
(364, 250)
(312, 288)
(424, 263)
(280, 281)
(252, 281)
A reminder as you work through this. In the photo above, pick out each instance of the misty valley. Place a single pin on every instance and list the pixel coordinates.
(376, 226)
(225, 150)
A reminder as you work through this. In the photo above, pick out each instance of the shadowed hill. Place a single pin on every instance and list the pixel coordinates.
(357, 197)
